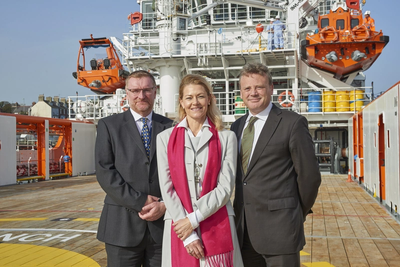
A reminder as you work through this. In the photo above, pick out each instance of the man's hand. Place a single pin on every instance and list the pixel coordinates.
(195, 249)
(152, 211)
(183, 228)
(150, 199)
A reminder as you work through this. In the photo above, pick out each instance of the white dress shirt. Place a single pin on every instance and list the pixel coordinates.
(139, 123)
(184, 124)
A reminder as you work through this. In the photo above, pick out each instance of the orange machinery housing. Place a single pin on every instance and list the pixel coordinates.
(343, 44)
(104, 76)
(36, 125)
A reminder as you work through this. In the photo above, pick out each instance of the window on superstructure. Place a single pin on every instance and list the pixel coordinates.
(324, 7)
(324, 23)
(196, 6)
(221, 12)
(273, 14)
(257, 13)
(340, 24)
(354, 23)
(240, 10)
(148, 15)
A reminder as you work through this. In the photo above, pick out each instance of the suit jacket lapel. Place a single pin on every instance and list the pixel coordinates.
(266, 133)
(156, 128)
(188, 143)
(133, 131)
(205, 137)
(239, 131)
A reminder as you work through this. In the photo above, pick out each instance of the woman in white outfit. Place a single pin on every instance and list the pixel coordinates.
(197, 166)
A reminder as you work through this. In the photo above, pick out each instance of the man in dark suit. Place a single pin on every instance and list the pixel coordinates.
(277, 177)
(131, 223)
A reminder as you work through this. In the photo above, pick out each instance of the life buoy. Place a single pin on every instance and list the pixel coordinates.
(287, 102)
(360, 30)
(323, 32)
(135, 17)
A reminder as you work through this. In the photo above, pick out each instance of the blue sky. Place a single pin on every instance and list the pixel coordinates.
(39, 43)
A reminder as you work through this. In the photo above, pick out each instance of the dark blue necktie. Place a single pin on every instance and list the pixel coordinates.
(145, 134)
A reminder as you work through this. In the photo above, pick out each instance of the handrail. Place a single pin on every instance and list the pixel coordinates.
(146, 44)
(351, 99)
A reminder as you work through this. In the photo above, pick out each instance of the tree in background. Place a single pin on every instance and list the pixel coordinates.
(5, 107)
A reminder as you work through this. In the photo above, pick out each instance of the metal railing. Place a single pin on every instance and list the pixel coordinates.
(95, 107)
(200, 42)
(306, 100)
(348, 100)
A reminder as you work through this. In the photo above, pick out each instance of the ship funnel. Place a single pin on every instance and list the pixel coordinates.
(332, 56)
(357, 55)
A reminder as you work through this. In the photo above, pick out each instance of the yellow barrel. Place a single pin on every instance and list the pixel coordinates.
(240, 107)
(356, 96)
(329, 104)
(342, 101)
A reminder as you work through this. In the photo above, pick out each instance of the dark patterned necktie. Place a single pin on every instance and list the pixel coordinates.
(145, 134)
(247, 143)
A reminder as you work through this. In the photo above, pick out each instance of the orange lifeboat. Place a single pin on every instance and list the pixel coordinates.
(104, 75)
(342, 45)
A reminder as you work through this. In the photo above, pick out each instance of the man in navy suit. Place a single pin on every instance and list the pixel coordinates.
(131, 223)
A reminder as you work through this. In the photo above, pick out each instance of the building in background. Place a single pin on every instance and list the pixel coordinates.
(50, 107)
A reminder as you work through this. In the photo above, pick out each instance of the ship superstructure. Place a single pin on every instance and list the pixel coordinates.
(215, 39)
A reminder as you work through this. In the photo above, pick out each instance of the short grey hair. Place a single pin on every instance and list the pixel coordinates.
(140, 74)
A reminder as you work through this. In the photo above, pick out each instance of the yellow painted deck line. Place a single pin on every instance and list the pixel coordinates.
(303, 253)
(87, 219)
(22, 219)
(317, 264)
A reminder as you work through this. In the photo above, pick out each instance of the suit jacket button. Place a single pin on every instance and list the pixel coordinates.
(245, 183)
(147, 163)
(150, 181)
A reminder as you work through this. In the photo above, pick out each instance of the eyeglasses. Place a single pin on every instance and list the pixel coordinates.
(136, 92)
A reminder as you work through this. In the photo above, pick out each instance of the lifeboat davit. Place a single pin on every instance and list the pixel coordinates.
(104, 75)
(343, 44)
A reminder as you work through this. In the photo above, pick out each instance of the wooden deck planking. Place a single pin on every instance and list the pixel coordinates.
(348, 227)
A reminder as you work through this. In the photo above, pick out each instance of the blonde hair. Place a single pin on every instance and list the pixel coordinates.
(213, 112)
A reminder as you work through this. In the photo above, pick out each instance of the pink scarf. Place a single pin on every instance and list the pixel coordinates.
(215, 230)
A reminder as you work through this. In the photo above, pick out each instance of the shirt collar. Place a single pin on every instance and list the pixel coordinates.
(137, 116)
(184, 124)
(263, 115)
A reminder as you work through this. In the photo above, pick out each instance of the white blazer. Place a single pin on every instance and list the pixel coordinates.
(211, 202)
(215, 199)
